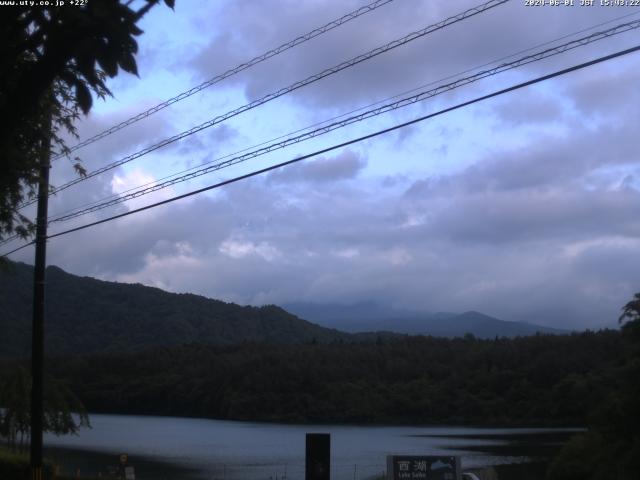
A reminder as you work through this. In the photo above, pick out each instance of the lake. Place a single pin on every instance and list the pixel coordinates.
(186, 448)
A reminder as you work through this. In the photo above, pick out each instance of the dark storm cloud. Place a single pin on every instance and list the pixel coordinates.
(123, 246)
(346, 165)
(545, 229)
(609, 90)
(529, 108)
(520, 217)
(100, 153)
(550, 160)
(86, 251)
(207, 144)
(502, 31)
(555, 256)
(552, 189)
(522, 234)
(269, 245)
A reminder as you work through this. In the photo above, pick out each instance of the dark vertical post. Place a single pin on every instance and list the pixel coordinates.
(318, 457)
(37, 335)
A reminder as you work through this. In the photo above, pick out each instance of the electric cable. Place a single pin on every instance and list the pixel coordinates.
(173, 175)
(349, 142)
(232, 71)
(404, 102)
(157, 185)
(299, 84)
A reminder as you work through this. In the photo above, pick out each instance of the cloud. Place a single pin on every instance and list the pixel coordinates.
(550, 160)
(344, 166)
(529, 107)
(610, 90)
(534, 216)
(486, 37)
(241, 249)
(556, 256)
(100, 153)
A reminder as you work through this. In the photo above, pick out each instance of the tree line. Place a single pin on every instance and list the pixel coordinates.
(538, 380)
(587, 379)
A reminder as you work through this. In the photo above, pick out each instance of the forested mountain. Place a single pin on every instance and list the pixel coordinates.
(85, 315)
(370, 316)
(88, 315)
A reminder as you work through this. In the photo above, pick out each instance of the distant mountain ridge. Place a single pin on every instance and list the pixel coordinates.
(85, 315)
(369, 317)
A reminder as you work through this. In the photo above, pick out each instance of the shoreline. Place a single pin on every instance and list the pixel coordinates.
(328, 423)
(94, 463)
(179, 448)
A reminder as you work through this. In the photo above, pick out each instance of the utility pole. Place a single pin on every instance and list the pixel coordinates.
(39, 283)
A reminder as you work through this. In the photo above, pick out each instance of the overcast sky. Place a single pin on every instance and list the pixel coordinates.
(525, 206)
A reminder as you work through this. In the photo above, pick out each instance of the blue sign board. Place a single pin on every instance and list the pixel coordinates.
(411, 467)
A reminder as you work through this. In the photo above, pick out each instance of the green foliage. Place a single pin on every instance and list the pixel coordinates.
(14, 401)
(631, 311)
(533, 380)
(63, 412)
(582, 458)
(611, 448)
(16, 466)
(52, 59)
(630, 320)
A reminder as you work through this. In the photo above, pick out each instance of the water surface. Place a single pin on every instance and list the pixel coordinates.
(181, 448)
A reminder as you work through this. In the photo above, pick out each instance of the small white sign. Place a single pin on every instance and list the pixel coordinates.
(129, 473)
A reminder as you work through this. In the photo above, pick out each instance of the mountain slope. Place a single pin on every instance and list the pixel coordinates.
(368, 316)
(85, 315)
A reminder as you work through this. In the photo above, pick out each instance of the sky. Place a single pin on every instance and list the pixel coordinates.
(525, 206)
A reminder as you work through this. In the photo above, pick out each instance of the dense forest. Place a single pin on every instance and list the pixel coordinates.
(588, 379)
(187, 355)
(539, 380)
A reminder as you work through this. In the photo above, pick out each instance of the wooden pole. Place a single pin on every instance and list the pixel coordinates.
(39, 283)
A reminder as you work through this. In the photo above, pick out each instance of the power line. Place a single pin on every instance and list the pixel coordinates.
(232, 71)
(354, 119)
(19, 248)
(350, 142)
(155, 185)
(9, 239)
(295, 86)
(399, 95)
